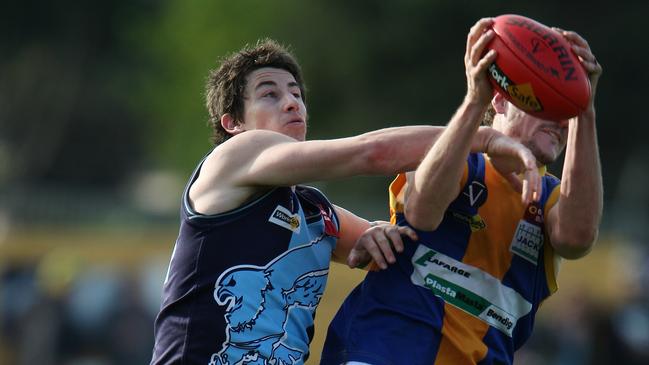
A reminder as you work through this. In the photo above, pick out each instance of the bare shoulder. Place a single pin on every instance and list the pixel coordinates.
(227, 159)
(218, 187)
(253, 141)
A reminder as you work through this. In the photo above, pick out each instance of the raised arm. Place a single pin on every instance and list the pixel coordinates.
(435, 183)
(573, 222)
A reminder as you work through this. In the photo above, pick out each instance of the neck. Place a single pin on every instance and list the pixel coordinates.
(505, 166)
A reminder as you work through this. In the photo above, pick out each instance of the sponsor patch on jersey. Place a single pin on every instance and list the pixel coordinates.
(284, 218)
(527, 242)
(470, 289)
(528, 239)
(475, 222)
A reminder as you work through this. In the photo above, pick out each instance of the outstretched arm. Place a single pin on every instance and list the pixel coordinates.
(254, 161)
(573, 222)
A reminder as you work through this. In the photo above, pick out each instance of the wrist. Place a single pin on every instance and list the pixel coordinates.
(588, 114)
(473, 98)
(473, 109)
(478, 98)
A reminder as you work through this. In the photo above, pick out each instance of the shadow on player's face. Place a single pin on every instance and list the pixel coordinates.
(545, 138)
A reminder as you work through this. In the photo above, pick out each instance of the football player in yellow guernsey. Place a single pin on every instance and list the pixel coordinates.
(467, 291)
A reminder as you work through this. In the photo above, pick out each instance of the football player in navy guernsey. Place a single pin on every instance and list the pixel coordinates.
(251, 260)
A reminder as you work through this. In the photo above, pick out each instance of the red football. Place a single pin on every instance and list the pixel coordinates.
(537, 70)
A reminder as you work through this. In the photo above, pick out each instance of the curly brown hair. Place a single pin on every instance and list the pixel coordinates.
(225, 86)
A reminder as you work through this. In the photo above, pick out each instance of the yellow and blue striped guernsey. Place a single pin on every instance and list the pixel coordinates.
(465, 293)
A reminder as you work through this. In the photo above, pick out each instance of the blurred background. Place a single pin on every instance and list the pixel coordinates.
(102, 120)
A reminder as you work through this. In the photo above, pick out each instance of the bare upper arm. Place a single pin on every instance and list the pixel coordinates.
(351, 228)
(277, 160)
(258, 160)
(255, 161)
(220, 185)
(565, 237)
(425, 211)
(553, 229)
(552, 219)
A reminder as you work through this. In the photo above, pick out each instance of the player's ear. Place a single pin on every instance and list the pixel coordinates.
(231, 125)
(499, 103)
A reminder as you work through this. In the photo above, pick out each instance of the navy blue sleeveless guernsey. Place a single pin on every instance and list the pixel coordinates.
(243, 286)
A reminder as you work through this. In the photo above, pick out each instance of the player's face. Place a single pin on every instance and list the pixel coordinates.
(546, 139)
(273, 101)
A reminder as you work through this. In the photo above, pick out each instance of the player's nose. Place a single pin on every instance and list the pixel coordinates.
(291, 102)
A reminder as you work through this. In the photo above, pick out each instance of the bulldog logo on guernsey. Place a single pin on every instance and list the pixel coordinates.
(267, 305)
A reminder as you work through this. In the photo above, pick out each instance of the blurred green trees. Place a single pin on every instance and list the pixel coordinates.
(90, 94)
